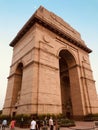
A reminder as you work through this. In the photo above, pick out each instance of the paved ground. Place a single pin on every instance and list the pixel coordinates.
(79, 126)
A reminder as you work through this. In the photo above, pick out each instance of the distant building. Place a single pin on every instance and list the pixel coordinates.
(50, 70)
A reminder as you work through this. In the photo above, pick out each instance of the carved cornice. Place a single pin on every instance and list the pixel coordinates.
(88, 79)
(36, 18)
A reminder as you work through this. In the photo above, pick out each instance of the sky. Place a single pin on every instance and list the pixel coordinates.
(82, 15)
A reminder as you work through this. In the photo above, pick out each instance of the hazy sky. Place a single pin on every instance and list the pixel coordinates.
(80, 14)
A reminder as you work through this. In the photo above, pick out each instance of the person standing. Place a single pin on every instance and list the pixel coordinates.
(38, 124)
(51, 123)
(56, 125)
(22, 122)
(33, 124)
(4, 124)
(45, 127)
(12, 125)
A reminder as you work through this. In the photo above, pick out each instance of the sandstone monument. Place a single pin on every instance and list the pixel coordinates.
(50, 70)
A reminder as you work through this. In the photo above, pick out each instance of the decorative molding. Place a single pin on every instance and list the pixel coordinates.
(46, 38)
(37, 18)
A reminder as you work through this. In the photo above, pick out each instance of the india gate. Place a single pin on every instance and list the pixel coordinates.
(50, 70)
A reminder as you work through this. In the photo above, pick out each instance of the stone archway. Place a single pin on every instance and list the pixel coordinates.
(35, 85)
(66, 63)
(17, 87)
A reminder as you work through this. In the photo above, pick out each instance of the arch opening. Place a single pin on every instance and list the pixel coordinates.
(17, 85)
(66, 62)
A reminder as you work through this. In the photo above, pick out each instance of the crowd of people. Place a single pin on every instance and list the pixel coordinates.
(34, 125)
(4, 124)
